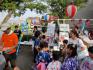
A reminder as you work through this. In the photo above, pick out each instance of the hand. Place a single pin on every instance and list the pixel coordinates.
(11, 48)
(7, 51)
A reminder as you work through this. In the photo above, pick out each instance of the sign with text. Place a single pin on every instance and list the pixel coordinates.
(64, 33)
(64, 27)
(62, 36)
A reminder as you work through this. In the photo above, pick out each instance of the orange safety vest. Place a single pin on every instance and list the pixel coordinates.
(9, 41)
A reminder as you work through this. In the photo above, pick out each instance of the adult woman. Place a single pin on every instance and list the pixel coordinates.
(81, 48)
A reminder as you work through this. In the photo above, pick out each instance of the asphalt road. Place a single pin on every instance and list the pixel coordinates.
(25, 58)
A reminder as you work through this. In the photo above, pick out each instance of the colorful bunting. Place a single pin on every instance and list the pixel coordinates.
(46, 17)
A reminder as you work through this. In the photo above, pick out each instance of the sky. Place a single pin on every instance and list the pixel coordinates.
(23, 17)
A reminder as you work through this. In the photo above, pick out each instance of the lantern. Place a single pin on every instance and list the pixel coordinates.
(71, 10)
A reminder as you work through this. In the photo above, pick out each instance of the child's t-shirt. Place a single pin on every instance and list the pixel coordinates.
(54, 65)
(87, 64)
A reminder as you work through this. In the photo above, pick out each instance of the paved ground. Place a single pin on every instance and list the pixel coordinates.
(25, 58)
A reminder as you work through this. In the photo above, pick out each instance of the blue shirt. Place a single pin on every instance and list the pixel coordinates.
(36, 42)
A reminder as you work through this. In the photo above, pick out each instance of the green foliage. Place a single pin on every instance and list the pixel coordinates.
(21, 5)
(40, 8)
(57, 7)
(78, 2)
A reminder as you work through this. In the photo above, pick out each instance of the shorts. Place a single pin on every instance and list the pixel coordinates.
(11, 58)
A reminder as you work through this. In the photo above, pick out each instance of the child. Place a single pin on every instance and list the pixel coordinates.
(70, 62)
(43, 56)
(87, 63)
(63, 50)
(55, 64)
(65, 42)
(36, 47)
(43, 38)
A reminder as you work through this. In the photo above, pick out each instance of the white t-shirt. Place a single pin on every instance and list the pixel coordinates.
(79, 43)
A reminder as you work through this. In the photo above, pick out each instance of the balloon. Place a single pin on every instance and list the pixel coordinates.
(71, 10)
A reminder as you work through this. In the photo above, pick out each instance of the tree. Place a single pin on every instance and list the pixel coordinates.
(57, 7)
(11, 6)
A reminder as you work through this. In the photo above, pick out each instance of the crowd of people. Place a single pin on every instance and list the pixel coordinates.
(74, 54)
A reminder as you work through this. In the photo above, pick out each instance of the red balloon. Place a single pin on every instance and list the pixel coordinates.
(71, 10)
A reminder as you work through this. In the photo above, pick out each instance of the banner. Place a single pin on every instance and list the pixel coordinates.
(24, 27)
(64, 33)
(34, 21)
(62, 36)
(51, 30)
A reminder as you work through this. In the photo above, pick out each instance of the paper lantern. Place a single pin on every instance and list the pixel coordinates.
(71, 11)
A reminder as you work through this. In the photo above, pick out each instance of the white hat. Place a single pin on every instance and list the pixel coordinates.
(4, 28)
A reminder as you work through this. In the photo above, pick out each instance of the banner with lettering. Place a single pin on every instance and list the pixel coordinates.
(34, 21)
